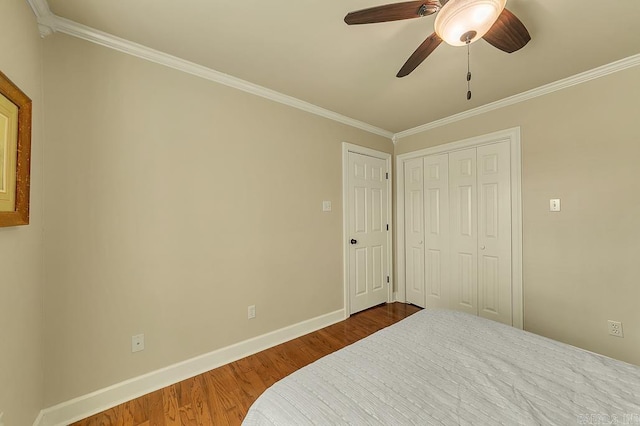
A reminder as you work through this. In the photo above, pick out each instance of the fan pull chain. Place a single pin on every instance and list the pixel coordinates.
(468, 70)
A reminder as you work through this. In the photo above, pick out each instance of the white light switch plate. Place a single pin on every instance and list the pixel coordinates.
(554, 205)
(326, 206)
(137, 343)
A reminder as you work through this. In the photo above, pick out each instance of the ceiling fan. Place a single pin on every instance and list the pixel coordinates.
(458, 23)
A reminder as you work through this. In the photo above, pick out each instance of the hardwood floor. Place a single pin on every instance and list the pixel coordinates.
(223, 396)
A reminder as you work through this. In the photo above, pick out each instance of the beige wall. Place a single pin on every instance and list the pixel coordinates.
(173, 203)
(21, 372)
(581, 265)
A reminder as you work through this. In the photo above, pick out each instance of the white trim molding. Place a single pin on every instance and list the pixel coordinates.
(103, 399)
(346, 149)
(40, 8)
(44, 16)
(613, 67)
(49, 23)
(513, 136)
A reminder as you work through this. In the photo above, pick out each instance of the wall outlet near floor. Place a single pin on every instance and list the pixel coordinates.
(251, 312)
(615, 328)
(137, 343)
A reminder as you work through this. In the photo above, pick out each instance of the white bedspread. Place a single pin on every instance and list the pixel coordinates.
(443, 367)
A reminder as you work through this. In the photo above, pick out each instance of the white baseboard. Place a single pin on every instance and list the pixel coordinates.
(103, 399)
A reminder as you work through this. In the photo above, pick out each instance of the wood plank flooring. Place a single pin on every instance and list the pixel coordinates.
(223, 396)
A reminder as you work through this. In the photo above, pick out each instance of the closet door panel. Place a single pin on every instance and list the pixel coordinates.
(464, 237)
(414, 231)
(494, 232)
(436, 207)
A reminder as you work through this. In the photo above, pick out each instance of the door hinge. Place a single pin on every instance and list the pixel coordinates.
(387, 279)
(387, 226)
(387, 176)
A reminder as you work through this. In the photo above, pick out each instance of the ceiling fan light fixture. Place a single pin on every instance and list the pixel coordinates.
(458, 20)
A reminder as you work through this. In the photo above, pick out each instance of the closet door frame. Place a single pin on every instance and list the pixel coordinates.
(511, 135)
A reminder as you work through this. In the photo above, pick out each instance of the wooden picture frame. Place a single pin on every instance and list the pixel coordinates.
(15, 154)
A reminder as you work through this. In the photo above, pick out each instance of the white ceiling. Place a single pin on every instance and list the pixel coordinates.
(304, 49)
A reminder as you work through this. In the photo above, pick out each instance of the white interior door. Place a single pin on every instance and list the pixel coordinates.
(437, 235)
(494, 232)
(464, 236)
(368, 227)
(414, 231)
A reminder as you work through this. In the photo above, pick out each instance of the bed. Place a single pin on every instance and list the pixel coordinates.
(445, 367)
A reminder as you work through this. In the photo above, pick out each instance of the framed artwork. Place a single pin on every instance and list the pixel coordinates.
(15, 154)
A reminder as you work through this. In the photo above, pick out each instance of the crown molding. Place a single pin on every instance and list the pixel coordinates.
(613, 67)
(48, 23)
(53, 23)
(44, 16)
(40, 8)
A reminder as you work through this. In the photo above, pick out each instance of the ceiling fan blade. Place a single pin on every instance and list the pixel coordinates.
(392, 12)
(508, 33)
(421, 53)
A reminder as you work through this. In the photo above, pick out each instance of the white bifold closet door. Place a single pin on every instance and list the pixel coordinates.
(464, 235)
(427, 231)
(494, 232)
(436, 198)
(414, 230)
(458, 231)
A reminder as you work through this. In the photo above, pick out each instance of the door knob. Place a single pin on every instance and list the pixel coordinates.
(353, 241)
(482, 247)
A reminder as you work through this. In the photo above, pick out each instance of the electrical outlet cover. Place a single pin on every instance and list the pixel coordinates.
(615, 328)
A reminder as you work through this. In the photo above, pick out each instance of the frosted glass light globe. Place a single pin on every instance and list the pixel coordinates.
(460, 17)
